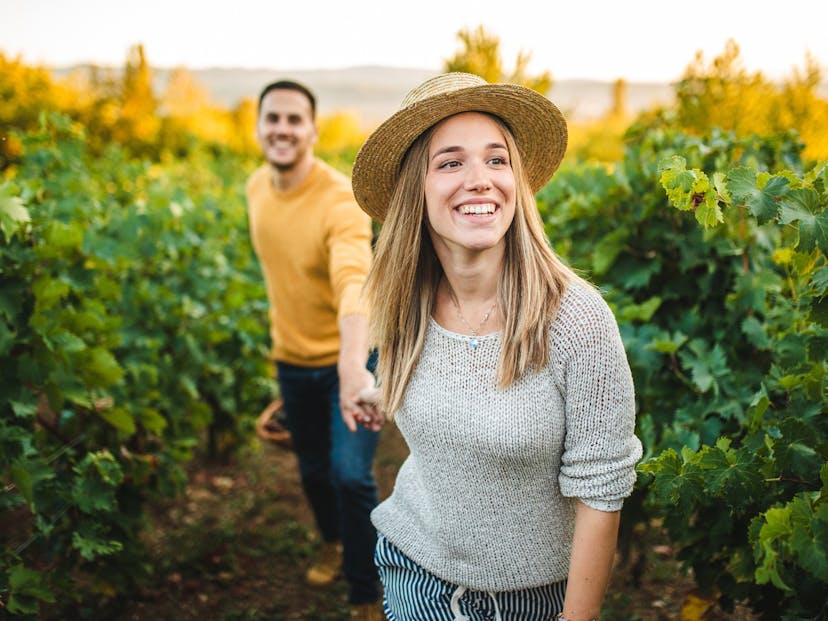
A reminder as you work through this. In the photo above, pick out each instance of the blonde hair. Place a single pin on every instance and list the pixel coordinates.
(402, 284)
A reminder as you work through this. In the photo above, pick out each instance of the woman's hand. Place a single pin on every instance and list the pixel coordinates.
(370, 417)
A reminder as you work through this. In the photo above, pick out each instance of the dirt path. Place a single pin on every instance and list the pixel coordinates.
(235, 545)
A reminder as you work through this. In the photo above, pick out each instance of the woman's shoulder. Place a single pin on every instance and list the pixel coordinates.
(583, 314)
(582, 297)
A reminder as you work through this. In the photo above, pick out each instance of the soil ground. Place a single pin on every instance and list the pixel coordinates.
(235, 545)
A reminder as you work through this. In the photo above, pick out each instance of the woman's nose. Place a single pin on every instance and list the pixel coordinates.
(477, 178)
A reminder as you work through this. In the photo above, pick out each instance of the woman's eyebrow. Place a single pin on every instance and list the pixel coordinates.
(456, 148)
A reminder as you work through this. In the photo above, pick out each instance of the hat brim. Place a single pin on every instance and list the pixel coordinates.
(538, 126)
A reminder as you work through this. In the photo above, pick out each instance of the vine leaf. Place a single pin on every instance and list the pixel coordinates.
(607, 249)
(802, 205)
(743, 185)
(13, 214)
(27, 588)
(809, 540)
(91, 541)
(678, 182)
(777, 526)
(706, 365)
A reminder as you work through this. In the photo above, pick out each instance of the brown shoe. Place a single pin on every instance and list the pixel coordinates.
(367, 612)
(270, 425)
(327, 566)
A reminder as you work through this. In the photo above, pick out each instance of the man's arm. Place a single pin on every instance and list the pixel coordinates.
(593, 551)
(354, 377)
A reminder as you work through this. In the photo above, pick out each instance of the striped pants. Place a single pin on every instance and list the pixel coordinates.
(413, 594)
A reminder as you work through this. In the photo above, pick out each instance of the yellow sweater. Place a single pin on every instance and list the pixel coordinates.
(314, 246)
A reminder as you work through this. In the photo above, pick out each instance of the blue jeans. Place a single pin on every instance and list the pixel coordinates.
(335, 465)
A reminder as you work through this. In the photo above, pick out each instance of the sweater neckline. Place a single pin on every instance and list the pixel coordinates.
(457, 336)
(297, 190)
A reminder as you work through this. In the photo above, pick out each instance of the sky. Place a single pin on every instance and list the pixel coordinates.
(638, 40)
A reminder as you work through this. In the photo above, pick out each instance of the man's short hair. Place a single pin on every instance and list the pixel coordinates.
(289, 85)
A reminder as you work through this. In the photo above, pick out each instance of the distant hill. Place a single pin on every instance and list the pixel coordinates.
(374, 92)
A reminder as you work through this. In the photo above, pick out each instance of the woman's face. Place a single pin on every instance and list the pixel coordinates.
(469, 185)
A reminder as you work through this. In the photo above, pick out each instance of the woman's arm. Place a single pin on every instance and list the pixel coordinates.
(593, 552)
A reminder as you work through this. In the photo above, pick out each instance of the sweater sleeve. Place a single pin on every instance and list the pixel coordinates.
(349, 244)
(600, 448)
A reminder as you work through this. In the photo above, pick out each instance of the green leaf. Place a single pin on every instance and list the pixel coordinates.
(68, 342)
(758, 406)
(802, 460)
(678, 182)
(49, 292)
(13, 214)
(819, 312)
(820, 281)
(732, 475)
(23, 410)
(7, 338)
(98, 367)
(676, 483)
(720, 184)
(23, 481)
(741, 182)
(98, 477)
(667, 344)
(743, 186)
(741, 564)
(639, 312)
(92, 543)
(60, 239)
(705, 365)
(806, 544)
(777, 526)
(27, 588)
(119, 418)
(803, 205)
(10, 300)
(756, 333)
(607, 249)
(152, 420)
(708, 211)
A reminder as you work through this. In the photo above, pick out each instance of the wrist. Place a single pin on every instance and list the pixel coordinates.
(351, 360)
(560, 617)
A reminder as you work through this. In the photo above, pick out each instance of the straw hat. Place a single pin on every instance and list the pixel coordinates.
(538, 126)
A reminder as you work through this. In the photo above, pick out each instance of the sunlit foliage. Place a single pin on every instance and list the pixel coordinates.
(724, 94)
(122, 106)
(24, 92)
(340, 135)
(480, 54)
(602, 139)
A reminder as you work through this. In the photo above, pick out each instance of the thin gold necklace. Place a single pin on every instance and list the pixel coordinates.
(474, 342)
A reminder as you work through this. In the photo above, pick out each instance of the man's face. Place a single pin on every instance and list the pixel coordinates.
(285, 129)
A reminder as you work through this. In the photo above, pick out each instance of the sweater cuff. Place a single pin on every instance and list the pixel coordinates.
(608, 506)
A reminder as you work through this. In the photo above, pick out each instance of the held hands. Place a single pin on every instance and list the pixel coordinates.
(373, 417)
(358, 398)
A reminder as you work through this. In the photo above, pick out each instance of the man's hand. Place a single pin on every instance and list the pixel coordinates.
(353, 380)
(373, 417)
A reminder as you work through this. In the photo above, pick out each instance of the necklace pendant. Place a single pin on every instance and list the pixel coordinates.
(474, 343)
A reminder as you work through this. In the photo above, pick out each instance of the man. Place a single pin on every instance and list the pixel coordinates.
(314, 246)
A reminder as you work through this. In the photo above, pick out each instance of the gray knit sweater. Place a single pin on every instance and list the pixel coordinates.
(485, 498)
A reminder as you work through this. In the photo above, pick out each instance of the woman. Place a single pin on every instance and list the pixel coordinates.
(503, 370)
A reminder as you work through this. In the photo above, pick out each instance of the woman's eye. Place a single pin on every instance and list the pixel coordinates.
(498, 161)
(449, 164)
